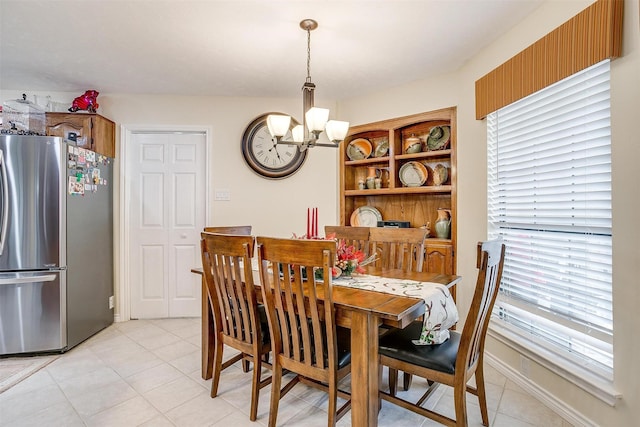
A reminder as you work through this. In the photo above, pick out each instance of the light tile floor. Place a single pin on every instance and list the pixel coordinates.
(147, 373)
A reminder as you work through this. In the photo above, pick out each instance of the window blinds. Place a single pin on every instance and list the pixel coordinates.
(550, 200)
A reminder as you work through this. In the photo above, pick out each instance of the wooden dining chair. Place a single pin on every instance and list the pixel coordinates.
(305, 339)
(243, 230)
(398, 248)
(456, 360)
(356, 236)
(240, 323)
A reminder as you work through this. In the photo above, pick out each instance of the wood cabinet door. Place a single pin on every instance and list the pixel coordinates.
(90, 131)
(104, 136)
(438, 258)
(73, 127)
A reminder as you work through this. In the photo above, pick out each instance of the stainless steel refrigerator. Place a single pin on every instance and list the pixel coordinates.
(56, 244)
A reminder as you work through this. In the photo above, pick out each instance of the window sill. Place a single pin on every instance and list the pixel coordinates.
(583, 378)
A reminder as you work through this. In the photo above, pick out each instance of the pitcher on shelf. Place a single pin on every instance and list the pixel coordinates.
(373, 174)
(443, 223)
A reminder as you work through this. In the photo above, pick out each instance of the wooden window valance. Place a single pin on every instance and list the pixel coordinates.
(589, 37)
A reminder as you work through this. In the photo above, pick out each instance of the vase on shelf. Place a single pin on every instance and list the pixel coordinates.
(413, 144)
(373, 174)
(443, 223)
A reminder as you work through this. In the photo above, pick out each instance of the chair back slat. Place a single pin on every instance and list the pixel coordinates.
(358, 237)
(243, 230)
(226, 261)
(490, 262)
(398, 248)
(299, 306)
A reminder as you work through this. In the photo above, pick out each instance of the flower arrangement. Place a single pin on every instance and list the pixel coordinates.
(348, 258)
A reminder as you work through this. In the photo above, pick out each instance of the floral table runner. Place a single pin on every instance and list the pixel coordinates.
(440, 313)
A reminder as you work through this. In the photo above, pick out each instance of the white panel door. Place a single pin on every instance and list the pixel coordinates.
(167, 213)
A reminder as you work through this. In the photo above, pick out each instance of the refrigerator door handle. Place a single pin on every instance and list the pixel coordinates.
(5, 203)
(28, 279)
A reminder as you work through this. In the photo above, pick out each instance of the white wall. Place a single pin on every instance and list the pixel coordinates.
(458, 90)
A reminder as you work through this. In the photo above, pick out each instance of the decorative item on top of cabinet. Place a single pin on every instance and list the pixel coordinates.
(415, 201)
(87, 101)
(88, 130)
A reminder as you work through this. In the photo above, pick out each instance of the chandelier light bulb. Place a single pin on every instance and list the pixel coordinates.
(278, 125)
(298, 133)
(336, 130)
(317, 119)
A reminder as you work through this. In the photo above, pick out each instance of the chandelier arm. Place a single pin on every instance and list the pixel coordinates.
(287, 142)
(322, 144)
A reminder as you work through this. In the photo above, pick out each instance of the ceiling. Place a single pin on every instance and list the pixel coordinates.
(241, 48)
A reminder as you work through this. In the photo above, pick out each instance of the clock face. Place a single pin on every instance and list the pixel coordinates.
(267, 158)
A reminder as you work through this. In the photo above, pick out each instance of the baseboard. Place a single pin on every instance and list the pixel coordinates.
(550, 401)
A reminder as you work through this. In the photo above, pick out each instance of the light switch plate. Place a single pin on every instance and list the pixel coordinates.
(223, 195)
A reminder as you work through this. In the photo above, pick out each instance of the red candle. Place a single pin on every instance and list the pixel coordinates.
(315, 223)
(308, 223)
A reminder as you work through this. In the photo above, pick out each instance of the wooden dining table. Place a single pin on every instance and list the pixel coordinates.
(363, 311)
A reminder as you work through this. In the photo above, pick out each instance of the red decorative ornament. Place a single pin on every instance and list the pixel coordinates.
(88, 101)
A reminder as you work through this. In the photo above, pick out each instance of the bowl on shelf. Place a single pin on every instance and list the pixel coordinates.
(359, 149)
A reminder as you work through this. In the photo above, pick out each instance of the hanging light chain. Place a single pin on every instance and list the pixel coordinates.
(308, 55)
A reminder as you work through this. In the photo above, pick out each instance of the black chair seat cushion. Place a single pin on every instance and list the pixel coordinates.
(343, 337)
(264, 324)
(343, 340)
(397, 344)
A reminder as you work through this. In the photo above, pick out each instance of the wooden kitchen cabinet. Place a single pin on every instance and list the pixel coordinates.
(91, 131)
(438, 257)
(395, 201)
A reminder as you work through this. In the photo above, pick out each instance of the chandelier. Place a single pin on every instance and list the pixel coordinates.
(315, 119)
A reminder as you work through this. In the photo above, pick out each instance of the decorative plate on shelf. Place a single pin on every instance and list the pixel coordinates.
(438, 138)
(413, 174)
(440, 174)
(382, 147)
(365, 216)
(359, 149)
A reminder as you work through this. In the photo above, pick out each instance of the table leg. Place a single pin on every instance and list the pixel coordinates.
(207, 334)
(364, 369)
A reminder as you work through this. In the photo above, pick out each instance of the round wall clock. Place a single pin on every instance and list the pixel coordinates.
(267, 158)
